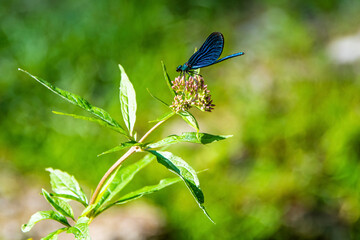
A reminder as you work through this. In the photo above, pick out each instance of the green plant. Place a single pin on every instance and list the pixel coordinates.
(188, 92)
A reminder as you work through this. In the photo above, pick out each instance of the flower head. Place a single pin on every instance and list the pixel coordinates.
(191, 92)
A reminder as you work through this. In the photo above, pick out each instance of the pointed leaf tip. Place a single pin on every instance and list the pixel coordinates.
(80, 102)
(191, 137)
(43, 215)
(167, 79)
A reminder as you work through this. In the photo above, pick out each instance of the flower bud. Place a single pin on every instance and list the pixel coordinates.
(191, 92)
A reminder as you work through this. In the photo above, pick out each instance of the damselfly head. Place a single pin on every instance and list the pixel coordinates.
(178, 69)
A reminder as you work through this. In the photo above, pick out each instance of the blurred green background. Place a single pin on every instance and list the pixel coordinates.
(292, 169)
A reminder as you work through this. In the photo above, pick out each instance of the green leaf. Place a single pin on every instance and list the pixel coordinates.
(54, 235)
(81, 229)
(163, 117)
(43, 215)
(189, 119)
(185, 172)
(64, 183)
(120, 147)
(60, 205)
(91, 119)
(80, 102)
(167, 79)
(122, 178)
(127, 101)
(68, 197)
(143, 191)
(191, 137)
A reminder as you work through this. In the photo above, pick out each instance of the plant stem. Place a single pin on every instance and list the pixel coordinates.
(123, 158)
(109, 172)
